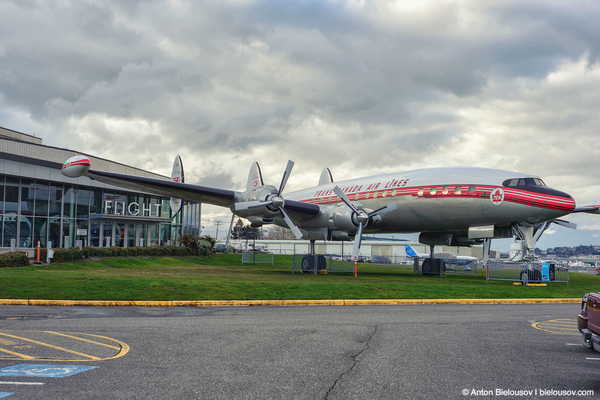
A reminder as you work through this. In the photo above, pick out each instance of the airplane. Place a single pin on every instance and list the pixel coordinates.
(412, 253)
(447, 206)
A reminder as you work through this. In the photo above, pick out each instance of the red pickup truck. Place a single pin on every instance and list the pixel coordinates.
(588, 320)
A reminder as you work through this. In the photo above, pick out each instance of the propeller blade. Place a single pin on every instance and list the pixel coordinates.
(566, 224)
(540, 231)
(344, 198)
(384, 210)
(290, 223)
(357, 242)
(250, 204)
(286, 176)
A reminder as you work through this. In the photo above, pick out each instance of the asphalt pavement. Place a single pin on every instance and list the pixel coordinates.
(434, 351)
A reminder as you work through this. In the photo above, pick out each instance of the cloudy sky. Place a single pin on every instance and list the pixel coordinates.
(362, 87)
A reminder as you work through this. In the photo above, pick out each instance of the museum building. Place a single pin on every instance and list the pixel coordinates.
(39, 204)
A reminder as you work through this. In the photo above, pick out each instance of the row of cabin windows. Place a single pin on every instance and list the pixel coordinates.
(446, 190)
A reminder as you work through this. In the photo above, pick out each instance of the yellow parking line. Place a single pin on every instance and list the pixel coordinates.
(124, 346)
(23, 356)
(558, 326)
(52, 346)
(84, 340)
(562, 323)
(561, 326)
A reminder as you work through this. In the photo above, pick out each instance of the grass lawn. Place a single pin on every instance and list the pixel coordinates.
(222, 277)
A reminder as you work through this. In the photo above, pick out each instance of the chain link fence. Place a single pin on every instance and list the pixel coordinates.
(526, 272)
(437, 266)
(319, 264)
(257, 257)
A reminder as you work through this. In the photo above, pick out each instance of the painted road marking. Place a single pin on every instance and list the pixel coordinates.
(4, 394)
(14, 353)
(43, 370)
(21, 383)
(84, 340)
(53, 346)
(59, 346)
(563, 326)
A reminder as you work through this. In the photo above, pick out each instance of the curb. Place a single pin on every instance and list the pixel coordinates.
(255, 303)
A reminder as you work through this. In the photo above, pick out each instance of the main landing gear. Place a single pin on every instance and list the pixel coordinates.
(313, 262)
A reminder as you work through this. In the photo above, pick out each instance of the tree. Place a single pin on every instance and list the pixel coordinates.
(242, 231)
(280, 233)
(237, 229)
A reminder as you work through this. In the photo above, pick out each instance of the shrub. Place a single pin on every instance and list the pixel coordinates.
(73, 254)
(62, 255)
(191, 242)
(87, 251)
(211, 241)
(14, 259)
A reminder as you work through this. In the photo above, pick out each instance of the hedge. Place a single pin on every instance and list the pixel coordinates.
(14, 259)
(72, 254)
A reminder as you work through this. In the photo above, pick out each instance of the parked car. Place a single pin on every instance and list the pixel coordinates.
(379, 260)
(588, 321)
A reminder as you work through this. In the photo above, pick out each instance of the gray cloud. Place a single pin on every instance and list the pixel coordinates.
(361, 88)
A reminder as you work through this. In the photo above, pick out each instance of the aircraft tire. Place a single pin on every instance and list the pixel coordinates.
(308, 263)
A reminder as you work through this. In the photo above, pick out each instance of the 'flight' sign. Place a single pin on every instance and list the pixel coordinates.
(122, 208)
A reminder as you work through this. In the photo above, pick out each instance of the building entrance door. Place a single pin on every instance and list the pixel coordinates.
(131, 235)
(119, 235)
(143, 235)
(107, 234)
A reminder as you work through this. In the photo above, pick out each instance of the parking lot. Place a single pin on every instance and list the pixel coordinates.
(323, 352)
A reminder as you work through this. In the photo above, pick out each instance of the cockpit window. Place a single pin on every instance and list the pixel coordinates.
(523, 182)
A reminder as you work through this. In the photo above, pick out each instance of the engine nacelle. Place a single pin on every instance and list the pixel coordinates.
(341, 235)
(257, 222)
(256, 213)
(76, 166)
(341, 218)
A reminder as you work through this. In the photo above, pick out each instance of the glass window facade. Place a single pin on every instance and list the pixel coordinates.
(68, 215)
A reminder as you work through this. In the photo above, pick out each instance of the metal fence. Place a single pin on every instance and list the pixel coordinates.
(256, 257)
(318, 264)
(458, 267)
(526, 272)
(336, 263)
(389, 260)
(424, 266)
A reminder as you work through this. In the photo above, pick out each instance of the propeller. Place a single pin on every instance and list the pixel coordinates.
(361, 218)
(275, 202)
(546, 225)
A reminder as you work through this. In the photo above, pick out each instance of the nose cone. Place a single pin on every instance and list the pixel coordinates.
(76, 166)
(552, 198)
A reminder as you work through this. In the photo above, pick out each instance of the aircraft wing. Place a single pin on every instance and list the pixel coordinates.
(201, 194)
(79, 165)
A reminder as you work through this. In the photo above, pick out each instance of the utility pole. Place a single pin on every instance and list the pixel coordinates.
(218, 223)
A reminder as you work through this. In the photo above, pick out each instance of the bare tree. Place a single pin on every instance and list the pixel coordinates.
(279, 233)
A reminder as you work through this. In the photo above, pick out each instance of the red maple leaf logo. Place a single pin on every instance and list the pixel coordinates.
(497, 196)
